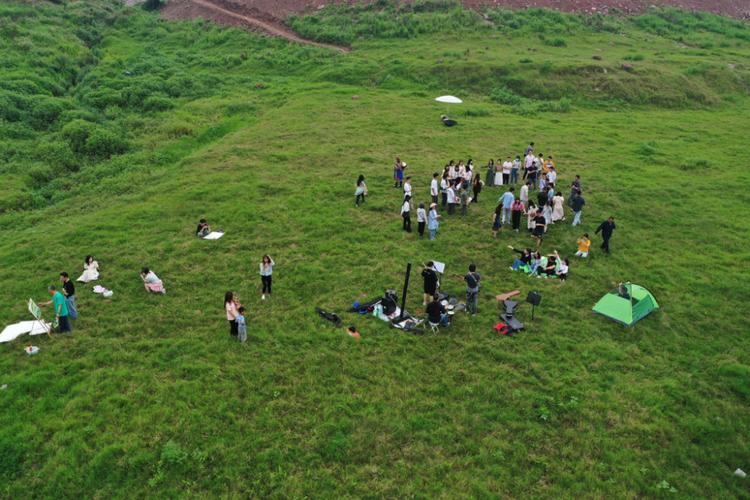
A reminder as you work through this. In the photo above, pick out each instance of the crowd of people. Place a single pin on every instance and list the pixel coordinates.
(533, 201)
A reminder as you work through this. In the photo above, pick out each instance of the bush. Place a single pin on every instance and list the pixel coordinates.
(157, 103)
(554, 42)
(45, 111)
(102, 144)
(77, 133)
(503, 95)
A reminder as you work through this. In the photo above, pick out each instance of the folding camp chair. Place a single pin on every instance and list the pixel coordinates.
(435, 327)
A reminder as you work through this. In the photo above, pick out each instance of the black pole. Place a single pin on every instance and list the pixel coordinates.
(406, 287)
(532, 311)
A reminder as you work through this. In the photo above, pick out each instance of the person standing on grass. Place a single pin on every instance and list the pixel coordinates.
(497, 220)
(490, 178)
(529, 149)
(421, 220)
(540, 226)
(241, 325)
(430, 279)
(531, 171)
(61, 309)
(476, 187)
(406, 214)
(507, 167)
(584, 243)
(472, 279)
(434, 187)
(507, 200)
(516, 210)
(266, 275)
(558, 208)
(575, 189)
(432, 221)
(531, 212)
(524, 194)
(444, 184)
(360, 191)
(576, 204)
(398, 173)
(69, 290)
(231, 305)
(407, 187)
(606, 228)
(514, 170)
(464, 198)
(451, 191)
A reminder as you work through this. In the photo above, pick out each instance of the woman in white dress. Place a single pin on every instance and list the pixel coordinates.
(90, 270)
(547, 213)
(498, 174)
(558, 212)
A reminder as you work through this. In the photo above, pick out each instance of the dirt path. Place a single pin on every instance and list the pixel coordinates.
(225, 12)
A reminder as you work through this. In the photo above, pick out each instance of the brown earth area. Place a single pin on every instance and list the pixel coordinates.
(267, 16)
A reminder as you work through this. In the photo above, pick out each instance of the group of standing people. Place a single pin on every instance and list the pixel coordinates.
(234, 309)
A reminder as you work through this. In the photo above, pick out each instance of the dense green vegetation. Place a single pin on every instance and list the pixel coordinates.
(119, 130)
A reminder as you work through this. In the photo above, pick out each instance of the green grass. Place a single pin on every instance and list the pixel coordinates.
(149, 397)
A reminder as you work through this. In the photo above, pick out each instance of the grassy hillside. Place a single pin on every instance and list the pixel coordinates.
(124, 130)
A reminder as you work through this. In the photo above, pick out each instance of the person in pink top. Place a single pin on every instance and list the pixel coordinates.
(231, 307)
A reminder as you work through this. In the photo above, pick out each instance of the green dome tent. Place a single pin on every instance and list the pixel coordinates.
(627, 304)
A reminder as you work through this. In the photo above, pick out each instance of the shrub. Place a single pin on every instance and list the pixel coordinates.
(102, 144)
(157, 103)
(503, 95)
(77, 133)
(45, 111)
(554, 42)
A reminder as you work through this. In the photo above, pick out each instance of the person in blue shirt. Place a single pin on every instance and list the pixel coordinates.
(432, 221)
(61, 309)
(241, 325)
(507, 200)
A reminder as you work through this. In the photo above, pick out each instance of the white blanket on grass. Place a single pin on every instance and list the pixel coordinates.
(214, 235)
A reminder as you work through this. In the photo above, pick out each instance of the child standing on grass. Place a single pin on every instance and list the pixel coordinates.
(421, 219)
(584, 243)
(360, 191)
(266, 275)
(241, 325)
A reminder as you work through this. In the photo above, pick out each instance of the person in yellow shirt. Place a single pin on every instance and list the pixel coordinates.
(583, 246)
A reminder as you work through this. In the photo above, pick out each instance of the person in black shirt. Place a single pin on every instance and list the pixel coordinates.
(69, 290)
(539, 228)
(543, 197)
(607, 228)
(430, 282)
(435, 311)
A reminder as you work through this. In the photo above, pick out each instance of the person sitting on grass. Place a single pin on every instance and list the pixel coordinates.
(549, 268)
(90, 270)
(203, 229)
(522, 262)
(584, 243)
(562, 270)
(537, 260)
(151, 281)
(436, 313)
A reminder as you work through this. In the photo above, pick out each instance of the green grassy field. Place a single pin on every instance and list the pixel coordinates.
(118, 131)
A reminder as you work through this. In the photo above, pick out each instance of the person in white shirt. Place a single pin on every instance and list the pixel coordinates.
(507, 166)
(434, 189)
(451, 199)
(524, 194)
(444, 189)
(421, 220)
(552, 176)
(406, 214)
(514, 170)
(407, 188)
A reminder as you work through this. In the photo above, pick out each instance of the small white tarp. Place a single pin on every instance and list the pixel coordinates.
(12, 332)
(214, 235)
(448, 99)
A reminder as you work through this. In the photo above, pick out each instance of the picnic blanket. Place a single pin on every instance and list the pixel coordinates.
(213, 235)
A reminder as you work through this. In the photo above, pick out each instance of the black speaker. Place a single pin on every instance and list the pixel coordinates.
(534, 298)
